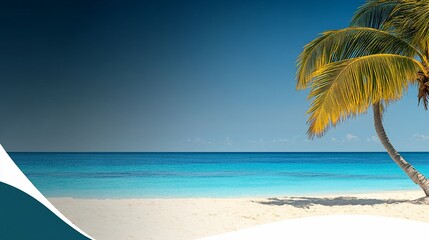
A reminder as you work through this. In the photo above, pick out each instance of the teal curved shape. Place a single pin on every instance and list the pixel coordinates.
(24, 218)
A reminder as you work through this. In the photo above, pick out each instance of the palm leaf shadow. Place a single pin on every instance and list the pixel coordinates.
(307, 202)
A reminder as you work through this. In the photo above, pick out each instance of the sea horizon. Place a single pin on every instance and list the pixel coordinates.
(216, 174)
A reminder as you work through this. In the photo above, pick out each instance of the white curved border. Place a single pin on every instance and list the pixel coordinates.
(10, 174)
(334, 227)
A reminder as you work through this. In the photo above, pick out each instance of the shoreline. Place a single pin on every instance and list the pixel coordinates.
(320, 194)
(190, 218)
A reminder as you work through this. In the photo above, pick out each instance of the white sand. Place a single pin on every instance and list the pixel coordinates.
(332, 227)
(190, 218)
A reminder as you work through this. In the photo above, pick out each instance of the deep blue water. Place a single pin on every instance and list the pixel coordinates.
(125, 175)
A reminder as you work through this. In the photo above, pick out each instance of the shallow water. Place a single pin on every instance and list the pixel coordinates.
(129, 175)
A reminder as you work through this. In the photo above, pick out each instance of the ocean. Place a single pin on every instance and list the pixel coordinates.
(181, 175)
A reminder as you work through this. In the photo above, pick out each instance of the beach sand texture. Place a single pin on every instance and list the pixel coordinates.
(190, 218)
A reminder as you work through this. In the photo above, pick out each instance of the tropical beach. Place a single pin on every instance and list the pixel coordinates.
(195, 195)
(192, 218)
(188, 119)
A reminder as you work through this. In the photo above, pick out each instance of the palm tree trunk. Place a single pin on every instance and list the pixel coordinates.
(415, 175)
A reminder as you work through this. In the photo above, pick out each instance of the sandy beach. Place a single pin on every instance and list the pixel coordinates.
(190, 218)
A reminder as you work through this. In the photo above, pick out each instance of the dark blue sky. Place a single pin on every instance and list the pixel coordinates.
(168, 76)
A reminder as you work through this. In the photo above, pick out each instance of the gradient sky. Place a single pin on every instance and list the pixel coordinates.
(173, 76)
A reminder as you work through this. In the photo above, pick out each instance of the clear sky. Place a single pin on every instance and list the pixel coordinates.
(173, 76)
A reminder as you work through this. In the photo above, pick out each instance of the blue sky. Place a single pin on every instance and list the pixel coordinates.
(173, 76)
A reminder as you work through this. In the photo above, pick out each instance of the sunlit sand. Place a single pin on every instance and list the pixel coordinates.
(191, 218)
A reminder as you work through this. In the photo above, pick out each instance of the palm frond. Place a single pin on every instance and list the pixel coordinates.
(344, 44)
(374, 13)
(410, 22)
(347, 88)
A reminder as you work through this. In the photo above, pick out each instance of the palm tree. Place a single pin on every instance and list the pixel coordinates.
(370, 63)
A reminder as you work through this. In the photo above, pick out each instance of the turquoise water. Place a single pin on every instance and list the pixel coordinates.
(128, 175)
